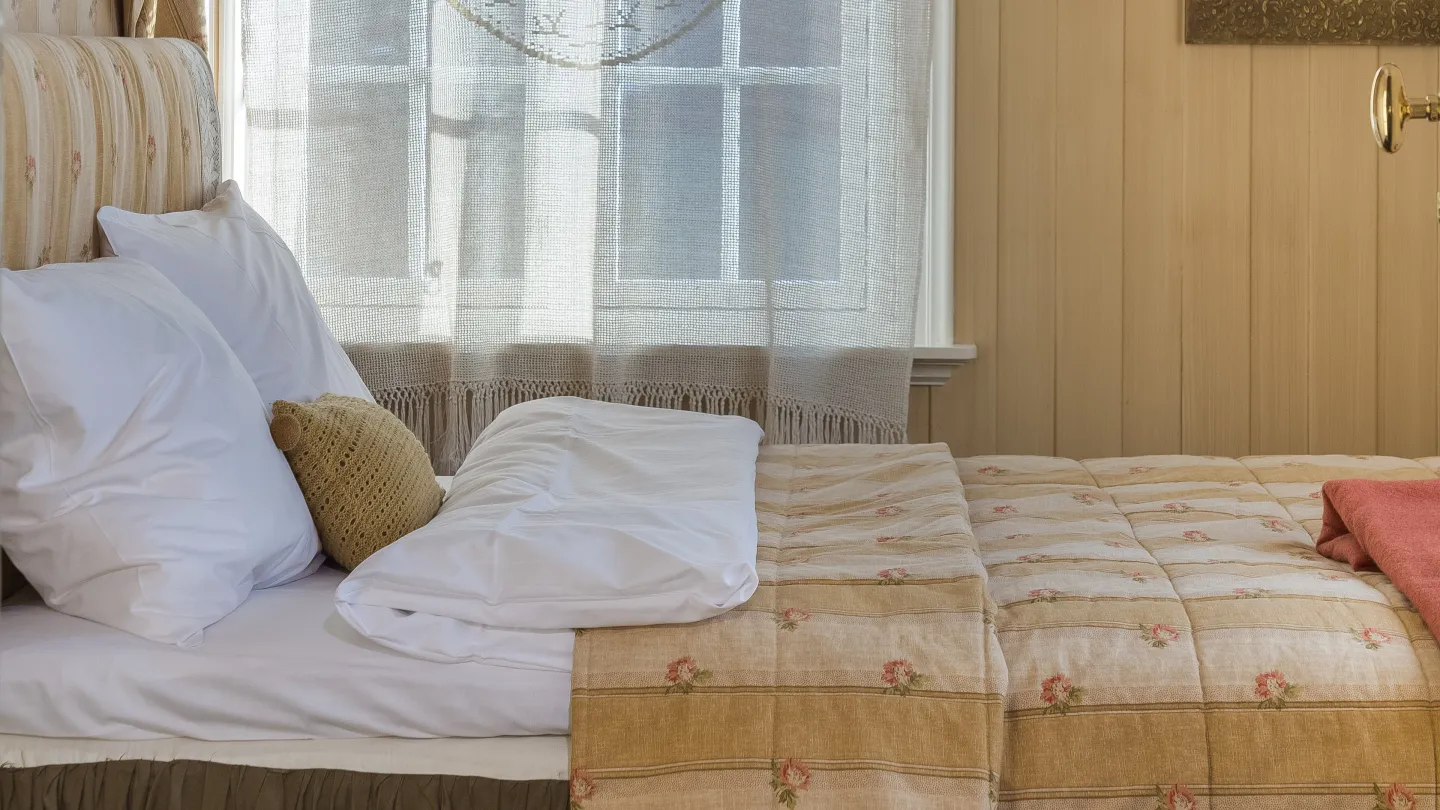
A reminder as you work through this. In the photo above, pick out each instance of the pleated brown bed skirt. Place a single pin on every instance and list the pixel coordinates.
(189, 785)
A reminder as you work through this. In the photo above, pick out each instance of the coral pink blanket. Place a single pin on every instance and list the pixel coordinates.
(1390, 525)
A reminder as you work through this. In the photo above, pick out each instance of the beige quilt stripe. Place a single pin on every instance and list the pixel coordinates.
(705, 727)
(863, 597)
(864, 672)
(764, 763)
(1044, 754)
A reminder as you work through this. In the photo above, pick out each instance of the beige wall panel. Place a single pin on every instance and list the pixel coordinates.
(1279, 281)
(1215, 362)
(1343, 181)
(1025, 334)
(918, 430)
(1089, 231)
(1154, 138)
(1280, 250)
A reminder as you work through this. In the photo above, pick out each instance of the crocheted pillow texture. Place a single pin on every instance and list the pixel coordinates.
(366, 477)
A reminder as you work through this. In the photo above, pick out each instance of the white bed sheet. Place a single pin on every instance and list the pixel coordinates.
(284, 666)
(510, 758)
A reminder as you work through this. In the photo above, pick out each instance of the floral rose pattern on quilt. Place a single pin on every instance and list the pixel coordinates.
(861, 674)
(1166, 625)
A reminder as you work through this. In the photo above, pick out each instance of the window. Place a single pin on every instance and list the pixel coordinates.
(690, 109)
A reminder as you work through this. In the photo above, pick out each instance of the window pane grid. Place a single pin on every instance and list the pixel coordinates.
(732, 76)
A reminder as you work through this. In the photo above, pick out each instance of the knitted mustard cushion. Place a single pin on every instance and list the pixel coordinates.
(365, 476)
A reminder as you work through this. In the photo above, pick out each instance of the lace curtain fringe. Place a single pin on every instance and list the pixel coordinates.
(448, 417)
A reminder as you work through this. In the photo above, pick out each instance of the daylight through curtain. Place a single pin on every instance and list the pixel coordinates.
(685, 203)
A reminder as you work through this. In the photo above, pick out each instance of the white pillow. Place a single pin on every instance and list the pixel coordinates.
(228, 260)
(570, 513)
(139, 486)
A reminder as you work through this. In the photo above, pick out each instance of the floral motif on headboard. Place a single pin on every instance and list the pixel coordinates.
(84, 18)
(181, 19)
(92, 121)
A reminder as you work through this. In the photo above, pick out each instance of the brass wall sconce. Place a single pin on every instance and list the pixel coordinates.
(1390, 109)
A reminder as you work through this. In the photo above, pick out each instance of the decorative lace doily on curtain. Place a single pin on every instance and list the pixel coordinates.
(586, 33)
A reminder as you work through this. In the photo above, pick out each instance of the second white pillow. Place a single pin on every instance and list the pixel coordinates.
(239, 272)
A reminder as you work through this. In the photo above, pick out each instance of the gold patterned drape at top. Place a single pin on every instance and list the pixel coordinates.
(182, 19)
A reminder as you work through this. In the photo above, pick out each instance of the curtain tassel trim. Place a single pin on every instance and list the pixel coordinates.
(449, 417)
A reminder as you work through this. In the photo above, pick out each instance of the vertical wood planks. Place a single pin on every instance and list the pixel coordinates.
(1406, 270)
(1343, 211)
(1279, 281)
(1154, 133)
(918, 429)
(1089, 229)
(1280, 250)
(1025, 334)
(1215, 395)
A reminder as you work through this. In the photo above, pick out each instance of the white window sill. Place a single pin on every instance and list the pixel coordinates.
(933, 365)
(930, 366)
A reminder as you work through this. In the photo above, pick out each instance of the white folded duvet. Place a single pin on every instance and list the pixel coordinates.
(569, 513)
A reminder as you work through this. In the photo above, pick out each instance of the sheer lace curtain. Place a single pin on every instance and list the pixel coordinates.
(704, 204)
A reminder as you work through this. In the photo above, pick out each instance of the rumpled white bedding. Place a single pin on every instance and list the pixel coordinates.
(569, 513)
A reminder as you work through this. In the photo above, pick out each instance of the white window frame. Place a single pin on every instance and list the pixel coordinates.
(935, 310)
(936, 350)
(229, 68)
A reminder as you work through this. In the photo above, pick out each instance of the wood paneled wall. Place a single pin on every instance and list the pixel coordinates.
(1173, 248)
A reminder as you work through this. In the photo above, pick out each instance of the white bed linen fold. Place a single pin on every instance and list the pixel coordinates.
(283, 666)
(570, 513)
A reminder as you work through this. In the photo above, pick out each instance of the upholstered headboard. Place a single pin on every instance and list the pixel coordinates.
(182, 19)
(92, 121)
(86, 18)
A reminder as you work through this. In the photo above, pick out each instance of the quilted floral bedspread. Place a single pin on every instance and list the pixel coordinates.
(864, 673)
(1174, 642)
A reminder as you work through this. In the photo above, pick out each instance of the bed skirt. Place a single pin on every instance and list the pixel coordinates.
(191, 785)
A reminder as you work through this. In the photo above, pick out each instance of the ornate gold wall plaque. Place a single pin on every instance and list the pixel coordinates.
(1312, 22)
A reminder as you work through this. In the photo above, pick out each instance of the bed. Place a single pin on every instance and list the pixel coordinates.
(1124, 633)
(283, 702)
(863, 550)
(1174, 641)
(837, 634)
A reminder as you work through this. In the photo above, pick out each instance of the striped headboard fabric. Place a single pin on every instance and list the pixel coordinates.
(85, 18)
(93, 121)
(182, 19)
